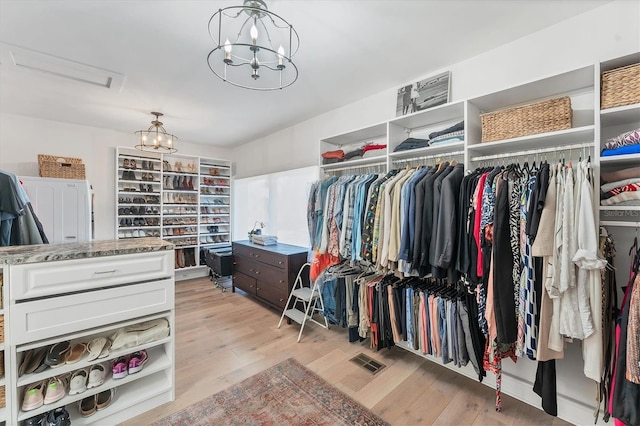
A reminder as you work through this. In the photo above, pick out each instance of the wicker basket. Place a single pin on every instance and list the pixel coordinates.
(3, 397)
(620, 86)
(1, 328)
(541, 117)
(61, 167)
(1, 364)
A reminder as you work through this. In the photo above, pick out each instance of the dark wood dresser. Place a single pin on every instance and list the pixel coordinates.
(267, 272)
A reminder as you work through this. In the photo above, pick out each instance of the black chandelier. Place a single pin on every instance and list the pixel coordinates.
(254, 47)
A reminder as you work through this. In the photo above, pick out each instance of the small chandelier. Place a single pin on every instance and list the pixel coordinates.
(156, 138)
(254, 47)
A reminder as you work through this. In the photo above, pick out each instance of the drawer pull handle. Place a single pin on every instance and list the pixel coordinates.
(281, 263)
(257, 288)
(281, 281)
(282, 300)
(251, 269)
(257, 272)
(104, 272)
(251, 286)
(256, 255)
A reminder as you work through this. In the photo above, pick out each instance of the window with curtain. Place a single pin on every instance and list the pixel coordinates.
(279, 200)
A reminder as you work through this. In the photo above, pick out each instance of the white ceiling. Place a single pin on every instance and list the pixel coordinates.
(348, 50)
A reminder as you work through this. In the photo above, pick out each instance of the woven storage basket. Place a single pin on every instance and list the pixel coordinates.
(3, 397)
(60, 167)
(541, 117)
(620, 86)
(1, 364)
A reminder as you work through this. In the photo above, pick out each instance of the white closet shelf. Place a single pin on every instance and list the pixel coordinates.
(431, 116)
(629, 208)
(552, 86)
(617, 161)
(620, 115)
(620, 223)
(443, 148)
(359, 162)
(126, 396)
(214, 166)
(180, 173)
(377, 131)
(223, 244)
(158, 361)
(559, 138)
(189, 191)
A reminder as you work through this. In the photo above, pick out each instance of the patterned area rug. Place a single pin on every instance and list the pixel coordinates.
(285, 394)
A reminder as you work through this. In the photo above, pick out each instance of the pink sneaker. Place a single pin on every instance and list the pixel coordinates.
(120, 367)
(137, 360)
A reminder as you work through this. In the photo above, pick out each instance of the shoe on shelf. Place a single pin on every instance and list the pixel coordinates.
(94, 347)
(39, 420)
(78, 383)
(75, 353)
(87, 406)
(33, 396)
(57, 354)
(120, 367)
(58, 417)
(97, 374)
(56, 389)
(104, 399)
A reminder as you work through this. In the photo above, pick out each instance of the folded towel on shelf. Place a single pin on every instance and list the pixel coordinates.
(623, 150)
(625, 196)
(609, 186)
(628, 138)
(628, 173)
(353, 154)
(632, 187)
(455, 128)
(338, 153)
(448, 137)
(331, 160)
(411, 143)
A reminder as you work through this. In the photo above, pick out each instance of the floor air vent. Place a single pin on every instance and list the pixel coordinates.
(368, 363)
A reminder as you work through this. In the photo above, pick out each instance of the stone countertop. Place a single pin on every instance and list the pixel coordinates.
(14, 255)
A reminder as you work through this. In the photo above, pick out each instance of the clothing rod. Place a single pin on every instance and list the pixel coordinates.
(356, 166)
(427, 157)
(620, 223)
(534, 151)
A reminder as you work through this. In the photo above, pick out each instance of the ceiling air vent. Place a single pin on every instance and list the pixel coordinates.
(18, 58)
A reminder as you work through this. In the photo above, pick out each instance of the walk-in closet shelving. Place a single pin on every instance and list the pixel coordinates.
(590, 127)
(215, 203)
(420, 124)
(376, 134)
(190, 207)
(138, 190)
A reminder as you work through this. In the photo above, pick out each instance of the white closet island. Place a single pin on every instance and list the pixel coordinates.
(79, 292)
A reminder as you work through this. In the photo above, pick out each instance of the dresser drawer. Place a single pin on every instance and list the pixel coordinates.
(246, 266)
(68, 276)
(273, 276)
(271, 294)
(244, 282)
(263, 256)
(44, 318)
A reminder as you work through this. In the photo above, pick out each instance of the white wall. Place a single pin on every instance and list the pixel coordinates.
(603, 33)
(23, 138)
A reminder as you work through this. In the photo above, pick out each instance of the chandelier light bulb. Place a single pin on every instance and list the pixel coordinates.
(254, 34)
(280, 55)
(227, 51)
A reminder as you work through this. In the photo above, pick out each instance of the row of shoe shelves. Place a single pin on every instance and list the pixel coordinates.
(174, 197)
(590, 129)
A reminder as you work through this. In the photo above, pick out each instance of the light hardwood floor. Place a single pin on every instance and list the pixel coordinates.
(223, 338)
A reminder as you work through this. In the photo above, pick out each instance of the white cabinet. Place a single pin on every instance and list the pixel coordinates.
(63, 206)
(110, 286)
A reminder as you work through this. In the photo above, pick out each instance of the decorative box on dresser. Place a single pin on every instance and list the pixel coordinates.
(267, 272)
(78, 292)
